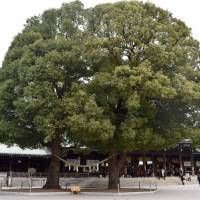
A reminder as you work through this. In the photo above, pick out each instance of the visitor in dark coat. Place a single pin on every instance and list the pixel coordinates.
(181, 174)
(198, 178)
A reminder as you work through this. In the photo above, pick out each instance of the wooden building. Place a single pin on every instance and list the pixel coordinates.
(15, 159)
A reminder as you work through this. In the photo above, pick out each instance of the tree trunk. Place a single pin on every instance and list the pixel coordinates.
(54, 166)
(113, 172)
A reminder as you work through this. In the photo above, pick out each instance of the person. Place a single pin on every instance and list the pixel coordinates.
(172, 172)
(163, 173)
(129, 171)
(159, 173)
(188, 176)
(7, 179)
(181, 176)
(198, 178)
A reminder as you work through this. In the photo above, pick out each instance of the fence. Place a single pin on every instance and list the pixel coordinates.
(38, 180)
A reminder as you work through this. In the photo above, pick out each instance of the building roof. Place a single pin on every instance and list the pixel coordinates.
(16, 150)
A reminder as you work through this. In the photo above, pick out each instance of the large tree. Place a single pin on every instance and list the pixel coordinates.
(40, 67)
(145, 93)
(117, 77)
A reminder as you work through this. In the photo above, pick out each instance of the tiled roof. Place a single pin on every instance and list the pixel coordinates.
(16, 150)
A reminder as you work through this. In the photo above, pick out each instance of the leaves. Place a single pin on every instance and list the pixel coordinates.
(116, 77)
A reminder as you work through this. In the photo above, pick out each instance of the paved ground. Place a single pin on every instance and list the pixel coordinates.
(186, 192)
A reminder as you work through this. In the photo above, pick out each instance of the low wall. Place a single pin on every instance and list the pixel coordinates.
(92, 182)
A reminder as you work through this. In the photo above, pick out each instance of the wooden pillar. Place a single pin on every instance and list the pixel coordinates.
(164, 160)
(29, 163)
(169, 161)
(144, 164)
(46, 166)
(9, 181)
(180, 159)
(195, 165)
(10, 164)
(135, 166)
(154, 165)
(192, 164)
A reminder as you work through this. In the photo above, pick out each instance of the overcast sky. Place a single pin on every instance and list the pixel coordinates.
(13, 15)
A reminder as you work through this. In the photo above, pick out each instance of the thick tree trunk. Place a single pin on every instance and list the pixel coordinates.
(113, 172)
(116, 168)
(54, 166)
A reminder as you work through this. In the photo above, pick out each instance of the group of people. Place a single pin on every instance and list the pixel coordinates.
(164, 172)
(139, 172)
(161, 173)
(187, 177)
(198, 177)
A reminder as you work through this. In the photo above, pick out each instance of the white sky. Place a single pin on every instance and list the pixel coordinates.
(13, 15)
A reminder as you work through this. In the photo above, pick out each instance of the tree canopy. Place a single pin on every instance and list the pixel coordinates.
(40, 67)
(117, 77)
(146, 84)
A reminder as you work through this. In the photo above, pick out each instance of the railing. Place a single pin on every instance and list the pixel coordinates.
(26, 174)
(29, 183)
(43, 175)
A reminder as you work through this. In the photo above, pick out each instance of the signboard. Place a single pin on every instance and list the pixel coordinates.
(198, 163)
(175, 161)
(140, 162)
(74, 161)
(31, 170)
(187, 163)
(92, 162)
(186, 145)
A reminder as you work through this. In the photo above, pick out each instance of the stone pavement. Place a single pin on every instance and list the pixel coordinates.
(178, 192)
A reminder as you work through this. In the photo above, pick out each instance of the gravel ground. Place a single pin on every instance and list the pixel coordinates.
(185, 192)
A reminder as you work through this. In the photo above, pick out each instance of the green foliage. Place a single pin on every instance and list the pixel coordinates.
(39, 69)
(146, 80)
(116, 77)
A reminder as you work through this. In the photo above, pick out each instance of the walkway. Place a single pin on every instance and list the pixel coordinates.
(186, 192)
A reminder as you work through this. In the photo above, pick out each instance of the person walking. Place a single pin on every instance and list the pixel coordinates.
(198, 178)
(181, 176)
(159, 174)
(163, 173)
